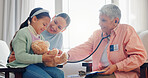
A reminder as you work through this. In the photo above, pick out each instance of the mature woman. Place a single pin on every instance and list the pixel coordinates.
(120, 54)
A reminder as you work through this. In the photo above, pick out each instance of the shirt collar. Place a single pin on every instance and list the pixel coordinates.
(112, 31)
(32, 30)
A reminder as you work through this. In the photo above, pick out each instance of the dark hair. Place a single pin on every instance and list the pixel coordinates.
(65, 16)
(39, 16)
(25, 24)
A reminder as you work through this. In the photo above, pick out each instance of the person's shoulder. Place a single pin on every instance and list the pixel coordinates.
(126, 27)
(59, 35)
(97, 31)
(23, 30)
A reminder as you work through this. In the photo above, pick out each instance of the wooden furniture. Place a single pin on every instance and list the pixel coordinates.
(144, 70)
(88, 66)
(18, 72)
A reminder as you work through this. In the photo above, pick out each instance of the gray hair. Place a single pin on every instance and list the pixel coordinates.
(111, 10)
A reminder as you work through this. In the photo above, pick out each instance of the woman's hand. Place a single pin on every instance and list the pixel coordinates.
(110, 69)
(47, 57)
(12, 57)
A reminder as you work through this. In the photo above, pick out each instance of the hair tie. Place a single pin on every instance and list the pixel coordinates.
(39, 11)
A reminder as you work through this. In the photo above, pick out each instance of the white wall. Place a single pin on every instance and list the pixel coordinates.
(139, 14)
(1, 15)
(58, 6)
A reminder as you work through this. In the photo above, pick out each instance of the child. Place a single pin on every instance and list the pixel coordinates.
(21, 44)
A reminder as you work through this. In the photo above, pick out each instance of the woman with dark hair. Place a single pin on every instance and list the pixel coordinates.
(53, 34)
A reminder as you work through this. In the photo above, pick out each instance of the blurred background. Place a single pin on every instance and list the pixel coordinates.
(84, 16)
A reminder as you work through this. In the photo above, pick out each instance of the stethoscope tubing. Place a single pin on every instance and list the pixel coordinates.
(92, 52)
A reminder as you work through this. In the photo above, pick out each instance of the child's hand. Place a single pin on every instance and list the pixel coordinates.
(60, 52)
(47, 57)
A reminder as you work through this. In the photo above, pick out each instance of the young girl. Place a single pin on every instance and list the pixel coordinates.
(39, 20)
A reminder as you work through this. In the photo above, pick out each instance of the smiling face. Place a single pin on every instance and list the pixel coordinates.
(40, 24)
(106, 24)
(57, 25)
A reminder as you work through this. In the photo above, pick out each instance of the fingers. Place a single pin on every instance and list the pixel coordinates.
(11, 60)
(47, 57)
(65, 63)
(12, 57)
(110, 69)
(12, 53)
(107, 70)
(60, 52)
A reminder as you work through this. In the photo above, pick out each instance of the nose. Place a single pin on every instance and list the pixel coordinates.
(55, 27)
(45, 27)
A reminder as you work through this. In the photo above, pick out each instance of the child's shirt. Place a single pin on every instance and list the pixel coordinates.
(33, 33)
(22, 48)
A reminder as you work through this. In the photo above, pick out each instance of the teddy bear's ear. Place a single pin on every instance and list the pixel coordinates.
(36, 49)
(47, 43)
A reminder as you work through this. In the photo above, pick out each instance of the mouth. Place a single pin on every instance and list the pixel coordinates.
(52, 29)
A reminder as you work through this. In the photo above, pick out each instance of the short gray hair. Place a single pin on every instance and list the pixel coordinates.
(111, 11)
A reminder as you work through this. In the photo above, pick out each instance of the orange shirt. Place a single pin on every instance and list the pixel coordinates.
(129, 55)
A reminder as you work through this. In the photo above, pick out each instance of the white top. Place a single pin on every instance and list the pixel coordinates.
(4, 53)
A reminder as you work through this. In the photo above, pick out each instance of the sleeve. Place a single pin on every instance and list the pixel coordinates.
(81, 51)
(22, 50)
(135, 51)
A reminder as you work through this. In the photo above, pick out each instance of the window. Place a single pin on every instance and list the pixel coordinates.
(46, 4)
(134, 13)
(84, 16)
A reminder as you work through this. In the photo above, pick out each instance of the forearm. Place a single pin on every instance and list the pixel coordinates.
(130, 63)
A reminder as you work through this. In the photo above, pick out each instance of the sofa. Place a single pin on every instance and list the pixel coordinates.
(144, 37)
(4, 53)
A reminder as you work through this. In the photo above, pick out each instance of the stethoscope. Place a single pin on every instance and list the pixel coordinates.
(92, 52)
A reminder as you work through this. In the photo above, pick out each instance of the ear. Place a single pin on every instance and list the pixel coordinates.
(116, 20)
(34, 19)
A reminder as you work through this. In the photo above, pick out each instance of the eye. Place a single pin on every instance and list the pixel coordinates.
(44, 24)
(103, 20)
(60, 27)
(55, 22)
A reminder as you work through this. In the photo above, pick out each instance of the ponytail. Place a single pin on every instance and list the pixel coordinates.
(24, 24)
(39, 13)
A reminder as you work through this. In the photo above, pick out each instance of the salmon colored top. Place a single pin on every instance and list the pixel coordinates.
(128, 54)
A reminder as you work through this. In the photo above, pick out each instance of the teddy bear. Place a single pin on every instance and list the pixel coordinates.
(40, 47)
